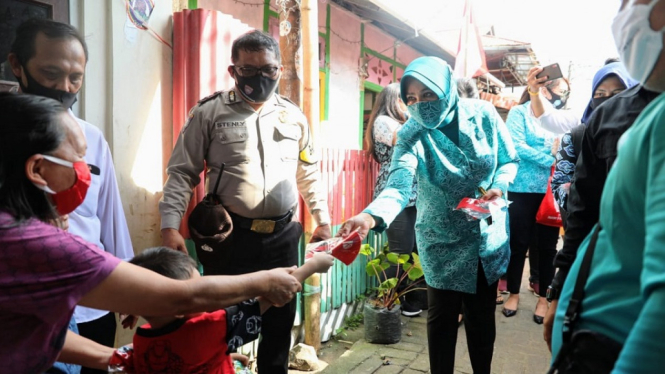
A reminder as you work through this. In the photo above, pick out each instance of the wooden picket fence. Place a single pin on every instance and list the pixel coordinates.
(349, 177)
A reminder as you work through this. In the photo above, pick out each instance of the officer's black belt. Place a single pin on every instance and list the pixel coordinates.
(262, 225)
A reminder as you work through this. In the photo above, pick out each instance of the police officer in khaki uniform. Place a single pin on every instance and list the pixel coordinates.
(265, 144)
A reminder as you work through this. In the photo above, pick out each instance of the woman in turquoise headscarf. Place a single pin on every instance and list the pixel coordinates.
(452, 146)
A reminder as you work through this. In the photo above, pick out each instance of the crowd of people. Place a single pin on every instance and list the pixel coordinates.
(67, 265)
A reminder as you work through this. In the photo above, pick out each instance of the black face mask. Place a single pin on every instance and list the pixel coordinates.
(596, 101)
(557, 101)
(66, 98)
(256, 89)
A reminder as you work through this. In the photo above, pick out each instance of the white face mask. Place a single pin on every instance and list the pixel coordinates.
(639, 46)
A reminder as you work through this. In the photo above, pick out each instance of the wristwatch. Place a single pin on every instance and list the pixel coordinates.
(552, 294)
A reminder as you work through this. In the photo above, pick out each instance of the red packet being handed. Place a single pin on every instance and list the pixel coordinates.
(481, 209)
(474, 208)
(343, 249)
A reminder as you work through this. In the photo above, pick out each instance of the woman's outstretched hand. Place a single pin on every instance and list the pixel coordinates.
(362, 222)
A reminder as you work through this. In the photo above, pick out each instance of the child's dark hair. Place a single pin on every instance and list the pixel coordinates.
(167, 262)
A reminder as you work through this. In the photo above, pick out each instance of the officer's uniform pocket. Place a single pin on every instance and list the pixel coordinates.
(228, 135)
(288, 136)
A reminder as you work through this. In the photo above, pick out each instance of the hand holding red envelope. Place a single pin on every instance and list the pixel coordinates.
(480, 209)
(343, 249)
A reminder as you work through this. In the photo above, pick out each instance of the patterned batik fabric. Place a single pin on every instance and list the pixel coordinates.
(564, 170)
(383, 131)
(448, 243)
(429, 113)
(534, 147)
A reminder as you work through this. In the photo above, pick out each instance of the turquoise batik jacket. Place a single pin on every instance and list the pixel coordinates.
(450, 245)
(534, 147)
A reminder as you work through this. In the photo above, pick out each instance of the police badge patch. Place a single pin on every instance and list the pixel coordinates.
(308, 155)
(283, 116)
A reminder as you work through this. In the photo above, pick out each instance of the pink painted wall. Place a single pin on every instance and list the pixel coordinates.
(406, 54)
(378, 41)
(341, 129)
(322, 16)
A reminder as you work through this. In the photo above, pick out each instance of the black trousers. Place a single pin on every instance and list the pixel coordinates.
(402, 237)
(525, 233)
(246, 251)
(102, 331)
(479, 322)
(534, 271)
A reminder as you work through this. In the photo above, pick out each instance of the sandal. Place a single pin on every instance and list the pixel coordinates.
(499, 299)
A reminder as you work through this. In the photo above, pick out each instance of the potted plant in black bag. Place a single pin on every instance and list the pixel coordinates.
(383, 324)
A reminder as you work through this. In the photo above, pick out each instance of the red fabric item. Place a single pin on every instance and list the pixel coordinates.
(198, 346)
(201, 55)
(548, 213)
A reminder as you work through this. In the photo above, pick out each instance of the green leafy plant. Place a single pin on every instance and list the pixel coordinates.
(350, 323)
(390, 291)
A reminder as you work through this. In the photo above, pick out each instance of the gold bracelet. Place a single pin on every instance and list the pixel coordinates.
(528, 89)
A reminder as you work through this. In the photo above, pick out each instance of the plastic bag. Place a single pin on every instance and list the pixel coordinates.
(480, 209)
(343, 249)
(548, 212)
(382, 326)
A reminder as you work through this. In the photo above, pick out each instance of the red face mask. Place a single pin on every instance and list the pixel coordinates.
(68, 200)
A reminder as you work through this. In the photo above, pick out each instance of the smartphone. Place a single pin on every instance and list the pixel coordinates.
(551, 71)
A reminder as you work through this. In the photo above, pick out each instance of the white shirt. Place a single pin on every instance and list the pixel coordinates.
(557, 121)
(100, 220)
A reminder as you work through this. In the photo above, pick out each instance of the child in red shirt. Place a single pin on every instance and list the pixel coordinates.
(199, 343)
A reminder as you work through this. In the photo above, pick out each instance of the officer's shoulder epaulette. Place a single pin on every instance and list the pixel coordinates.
(288, 100)
(209, 97)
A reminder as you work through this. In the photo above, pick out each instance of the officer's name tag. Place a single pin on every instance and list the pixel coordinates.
(221, 125)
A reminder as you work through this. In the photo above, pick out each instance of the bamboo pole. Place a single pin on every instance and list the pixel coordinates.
(300, 83)
(290, 84)
(311, 108)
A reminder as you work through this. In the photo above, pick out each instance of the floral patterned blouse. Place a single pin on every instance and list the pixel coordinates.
(383, 132)
(449, 244)
(534, 146)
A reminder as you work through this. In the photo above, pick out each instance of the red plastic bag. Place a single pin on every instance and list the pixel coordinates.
(548, 213)
(343, 249)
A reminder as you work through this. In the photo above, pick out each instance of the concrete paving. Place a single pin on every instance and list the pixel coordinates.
(519, 347)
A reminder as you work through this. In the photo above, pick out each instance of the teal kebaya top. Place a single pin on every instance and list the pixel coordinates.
(450, 245)
(534, 147)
